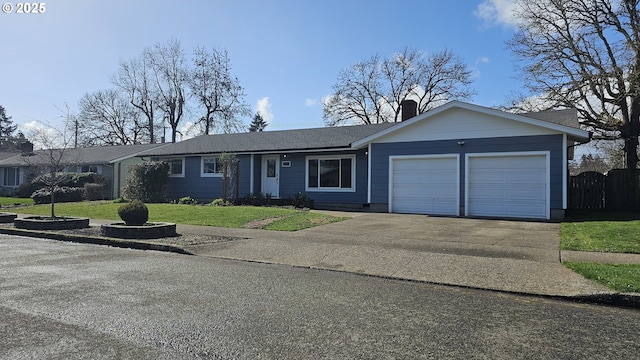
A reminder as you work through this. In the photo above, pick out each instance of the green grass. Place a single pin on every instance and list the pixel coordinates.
(302, 220)
(602, 232)
(620, 277)
(9, 201)
(222, 216)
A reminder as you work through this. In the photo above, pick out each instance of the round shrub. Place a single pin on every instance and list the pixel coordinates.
(134, 213)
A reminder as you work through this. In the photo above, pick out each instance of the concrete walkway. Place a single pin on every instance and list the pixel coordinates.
(509, 256)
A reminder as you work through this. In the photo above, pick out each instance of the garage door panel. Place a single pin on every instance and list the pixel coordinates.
(425, 185)
(509, 186)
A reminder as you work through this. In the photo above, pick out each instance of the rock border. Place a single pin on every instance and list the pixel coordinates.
(7, 217)
(44, 223)
(147, 231)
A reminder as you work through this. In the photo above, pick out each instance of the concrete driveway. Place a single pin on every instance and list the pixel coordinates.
(512, 256)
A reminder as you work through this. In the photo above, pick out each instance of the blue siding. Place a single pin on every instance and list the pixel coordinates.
(293, 179)
(382, 151)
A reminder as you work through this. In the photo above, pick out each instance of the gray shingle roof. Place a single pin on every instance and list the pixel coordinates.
(284, 140)
(566, 117)
(90, 155)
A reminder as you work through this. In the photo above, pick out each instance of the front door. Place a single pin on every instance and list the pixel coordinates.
(271, 175)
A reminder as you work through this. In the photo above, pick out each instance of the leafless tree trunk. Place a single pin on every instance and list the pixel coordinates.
(135, 78)
(585, 54)
(372, 90)
(217, 91)
(170, 76)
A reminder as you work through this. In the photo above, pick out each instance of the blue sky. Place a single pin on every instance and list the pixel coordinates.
(287, 54)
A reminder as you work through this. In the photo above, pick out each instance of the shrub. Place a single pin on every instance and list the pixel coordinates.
(301, 200)
(93, 191)
(134, 213)
(62, 194)
(26, 189)
(147, 182)
(187, 200)
(220, 202)
(257, 199)
(120, 200)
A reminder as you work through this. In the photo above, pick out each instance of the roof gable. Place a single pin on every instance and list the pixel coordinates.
(457, 120)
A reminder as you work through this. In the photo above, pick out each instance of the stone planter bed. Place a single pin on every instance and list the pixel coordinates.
(7, 217)
(46, 223)
(146, 231)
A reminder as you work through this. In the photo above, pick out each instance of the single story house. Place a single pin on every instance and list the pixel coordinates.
(113, 162)
(458, 159)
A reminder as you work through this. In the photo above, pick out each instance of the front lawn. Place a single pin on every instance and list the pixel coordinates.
(10, 201)
(620, 277)
(602, 232)
(222, 216)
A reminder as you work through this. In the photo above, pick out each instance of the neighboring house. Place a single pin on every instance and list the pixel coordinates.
(112, 162)
(458, 159)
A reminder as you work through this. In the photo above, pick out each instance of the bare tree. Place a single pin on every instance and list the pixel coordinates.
(372, 90)
(170, 76)
(135, 78)
(585, 54)
(109, 119)
(55, 155)
(217, 91)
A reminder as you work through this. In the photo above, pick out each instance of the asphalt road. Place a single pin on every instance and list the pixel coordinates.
(71, 301)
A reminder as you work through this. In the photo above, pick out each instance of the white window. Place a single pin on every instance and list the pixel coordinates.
(11, 176)
(210, 167)
(176, 167)
(90, 168)
(331, 173)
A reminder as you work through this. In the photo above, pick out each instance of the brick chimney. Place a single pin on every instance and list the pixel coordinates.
(409, 109)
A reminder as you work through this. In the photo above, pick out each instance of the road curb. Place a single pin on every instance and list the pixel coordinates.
(119, 243)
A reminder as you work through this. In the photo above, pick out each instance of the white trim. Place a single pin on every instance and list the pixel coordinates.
(263, 172)
(251, 175)
(330, 157)
(202, 173)
(481, 109)
(169, 160)
(369, 173)
(435, 156)
(547, 155)
(565, 170)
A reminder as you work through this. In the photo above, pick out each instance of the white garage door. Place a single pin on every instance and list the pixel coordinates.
(507, 186)
(425, 185)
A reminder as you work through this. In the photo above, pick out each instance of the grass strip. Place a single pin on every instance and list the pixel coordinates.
(619, 277)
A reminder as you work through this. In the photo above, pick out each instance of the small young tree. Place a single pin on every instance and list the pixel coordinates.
(147, 182)
(50, 161)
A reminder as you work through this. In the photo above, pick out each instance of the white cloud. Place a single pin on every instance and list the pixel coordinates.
(264, 108)
(310, 102)
(482, 60)
(188, 130)
(501, 12)
(43, 136)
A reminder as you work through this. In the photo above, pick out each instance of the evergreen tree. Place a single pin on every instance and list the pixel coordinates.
(7, 128)
(258, 123)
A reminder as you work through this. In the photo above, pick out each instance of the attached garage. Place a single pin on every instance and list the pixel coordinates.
(425, 184)
(514, 185)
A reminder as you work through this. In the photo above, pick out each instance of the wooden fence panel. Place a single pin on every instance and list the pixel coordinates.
(587, 191)
(622, 190)
(619, 190)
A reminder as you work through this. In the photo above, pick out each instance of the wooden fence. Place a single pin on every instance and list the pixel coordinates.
(619, 190)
